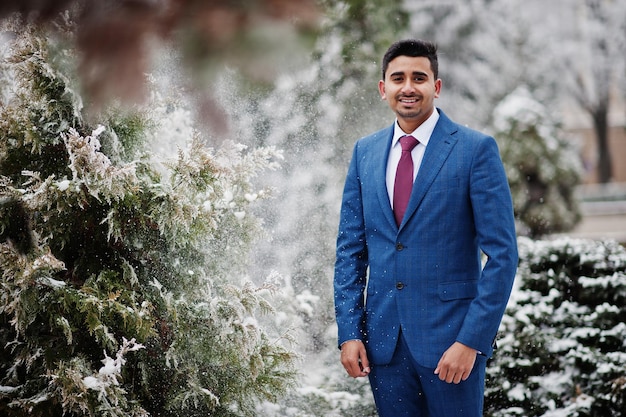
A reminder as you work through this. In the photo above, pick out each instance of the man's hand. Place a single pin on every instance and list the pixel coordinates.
(456, 363)
(354, 358)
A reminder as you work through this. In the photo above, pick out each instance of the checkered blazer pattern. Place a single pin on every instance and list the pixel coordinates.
(426, 275)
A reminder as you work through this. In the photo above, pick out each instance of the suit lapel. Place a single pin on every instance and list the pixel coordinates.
(439, 147)
(381, 176)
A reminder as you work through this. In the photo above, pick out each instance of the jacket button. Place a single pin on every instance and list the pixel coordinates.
(399, 246)
(399, 285)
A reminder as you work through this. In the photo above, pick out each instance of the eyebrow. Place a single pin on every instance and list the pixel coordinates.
(414, 73)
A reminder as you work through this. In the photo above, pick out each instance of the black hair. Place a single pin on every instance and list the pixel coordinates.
(412, 48)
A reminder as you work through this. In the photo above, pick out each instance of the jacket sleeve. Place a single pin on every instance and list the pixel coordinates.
(351, 259)
(495, 230)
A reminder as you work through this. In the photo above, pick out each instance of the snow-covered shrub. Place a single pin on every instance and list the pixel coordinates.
(564, 347)
(542, 166)
(122, 282)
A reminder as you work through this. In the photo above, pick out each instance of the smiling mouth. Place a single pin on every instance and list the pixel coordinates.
(408, 100)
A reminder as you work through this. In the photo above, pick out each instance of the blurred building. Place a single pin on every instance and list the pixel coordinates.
(603, 206)
(588, 151)
(578, 123)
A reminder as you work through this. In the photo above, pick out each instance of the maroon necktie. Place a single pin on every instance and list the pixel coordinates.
(404, 178)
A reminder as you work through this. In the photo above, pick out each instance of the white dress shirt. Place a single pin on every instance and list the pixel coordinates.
(422, 134)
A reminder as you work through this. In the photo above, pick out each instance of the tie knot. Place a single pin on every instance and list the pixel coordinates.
(408, 142)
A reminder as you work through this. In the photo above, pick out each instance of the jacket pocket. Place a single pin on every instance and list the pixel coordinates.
(457, 290)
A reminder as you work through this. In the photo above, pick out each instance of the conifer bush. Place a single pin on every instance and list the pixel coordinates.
(564, 345)
(123, 288)
(542, 165)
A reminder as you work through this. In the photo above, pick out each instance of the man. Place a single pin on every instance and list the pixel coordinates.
(416, 309)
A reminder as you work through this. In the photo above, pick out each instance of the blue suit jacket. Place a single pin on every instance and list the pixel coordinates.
(426, 276)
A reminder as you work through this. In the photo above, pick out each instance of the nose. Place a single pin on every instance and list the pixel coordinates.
(408, 86)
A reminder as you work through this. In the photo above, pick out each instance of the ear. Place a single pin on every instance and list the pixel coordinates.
(437, 87)
(381, 89)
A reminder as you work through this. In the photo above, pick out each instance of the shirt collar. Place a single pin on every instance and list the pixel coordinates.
(422, 133)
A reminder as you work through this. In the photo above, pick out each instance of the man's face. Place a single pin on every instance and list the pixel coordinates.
(410, 89)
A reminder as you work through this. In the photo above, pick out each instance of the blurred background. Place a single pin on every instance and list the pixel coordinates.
(567, 55)
(546, 78)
